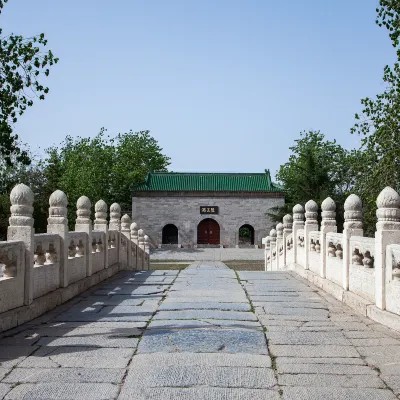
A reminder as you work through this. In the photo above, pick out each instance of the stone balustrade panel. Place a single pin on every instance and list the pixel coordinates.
(314, 258)
(300, 248)
(46, 268)
(112, 247)
(12, 276)
(77, 252)
(99, 240)
(334, 257)
(361, 271)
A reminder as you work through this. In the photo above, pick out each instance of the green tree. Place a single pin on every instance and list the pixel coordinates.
(102, 167)
(316, 169)
(378, 161)
(23, 65)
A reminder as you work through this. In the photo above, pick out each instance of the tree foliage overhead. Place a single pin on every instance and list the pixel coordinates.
(23, 66)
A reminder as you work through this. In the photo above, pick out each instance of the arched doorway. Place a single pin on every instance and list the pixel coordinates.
(208, 232)
(246, 235)
(170, 234)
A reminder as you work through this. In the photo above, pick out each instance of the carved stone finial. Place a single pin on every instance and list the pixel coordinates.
(115, 216)
(279, 230)
(287, 223)
(272, 235)
(134, 231)
(267, 242)
(388, 211)
(58, 199)
(353, 212)
(83, 206)
(298, 214)
(311, 212)
(21, 198)
(58, 208)
(125, 222)
(141, 237)
(100, 209)
(146, 240)
(328, 207)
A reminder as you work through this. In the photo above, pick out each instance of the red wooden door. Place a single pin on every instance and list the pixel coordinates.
(208, 232)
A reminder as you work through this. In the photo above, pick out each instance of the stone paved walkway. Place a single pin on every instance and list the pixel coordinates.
(202, 333)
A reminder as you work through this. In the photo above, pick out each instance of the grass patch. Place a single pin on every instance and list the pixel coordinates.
(155, 266)
(245, 265)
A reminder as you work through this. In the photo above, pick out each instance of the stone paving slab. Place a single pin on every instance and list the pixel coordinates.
(174, 306)
(64, 391)
(305, 338)
(95, 341)
(202, 359)
(203, 393)
(200, 375)
(206, 314)
(204, 323)
(78, 357)
(335, 393)
(203, 340)
(82, 375)
(327, 380)
(328, 368)
(4, 389)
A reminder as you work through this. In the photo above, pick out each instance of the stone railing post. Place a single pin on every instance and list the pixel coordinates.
(147, 251)
(272, 235)
(310, 226)
(115, 217)
(287, 230)
(21, 228)
(266, 252)
(83, 223)
(387, 232)
(115, 224)
(279, 243)
(125, 248)
(352, 227)
(134, 245)
(141, 249)
(58, 223)
(298, 223)
(100, 224)
(328, 224)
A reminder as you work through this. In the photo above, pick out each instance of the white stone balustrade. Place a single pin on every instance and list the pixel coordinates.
(361, 271)
(40, 271)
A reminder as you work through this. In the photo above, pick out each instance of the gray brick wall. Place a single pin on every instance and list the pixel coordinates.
(153, 213)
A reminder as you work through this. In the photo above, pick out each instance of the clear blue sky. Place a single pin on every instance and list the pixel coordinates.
(223, 85)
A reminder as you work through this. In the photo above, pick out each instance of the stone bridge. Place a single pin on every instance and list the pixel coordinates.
(83, 317)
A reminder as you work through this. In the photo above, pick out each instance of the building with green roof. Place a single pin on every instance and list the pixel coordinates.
(188, 209)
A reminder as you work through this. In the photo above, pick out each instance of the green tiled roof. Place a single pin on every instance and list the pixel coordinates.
(197, 182)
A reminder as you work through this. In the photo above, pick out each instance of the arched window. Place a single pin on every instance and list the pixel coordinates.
(170, 234)
(208, 232)
(246, 235)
